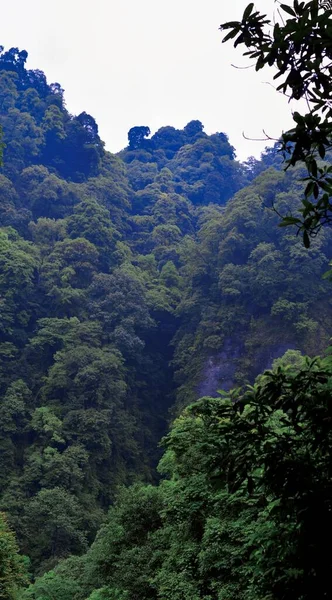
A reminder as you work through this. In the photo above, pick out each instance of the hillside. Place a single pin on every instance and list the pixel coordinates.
(130, 286)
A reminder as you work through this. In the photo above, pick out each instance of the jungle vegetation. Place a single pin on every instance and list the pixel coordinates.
(152, 295)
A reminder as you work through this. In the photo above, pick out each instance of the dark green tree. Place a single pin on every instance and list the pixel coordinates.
(137, 137)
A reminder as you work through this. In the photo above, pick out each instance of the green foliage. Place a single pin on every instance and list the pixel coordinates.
(56, 515)
(244, 507)
(300, 48)
(250, 290)
(12, 566)
(62, 583)
(130, 285)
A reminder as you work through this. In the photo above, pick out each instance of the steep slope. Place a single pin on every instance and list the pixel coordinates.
(252, 290)
(129, 285)
(243, 511)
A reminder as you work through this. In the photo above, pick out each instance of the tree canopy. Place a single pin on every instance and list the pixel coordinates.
(133, 288)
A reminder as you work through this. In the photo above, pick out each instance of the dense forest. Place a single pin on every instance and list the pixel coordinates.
(141, 297)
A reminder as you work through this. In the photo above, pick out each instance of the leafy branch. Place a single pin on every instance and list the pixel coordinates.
(300, 48)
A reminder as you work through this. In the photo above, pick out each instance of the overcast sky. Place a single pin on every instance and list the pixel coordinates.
(148, 62)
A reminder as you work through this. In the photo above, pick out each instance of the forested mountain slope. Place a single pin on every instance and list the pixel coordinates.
(129, 285)
(243, 510)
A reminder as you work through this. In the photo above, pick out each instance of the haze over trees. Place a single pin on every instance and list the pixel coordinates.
(133, 288)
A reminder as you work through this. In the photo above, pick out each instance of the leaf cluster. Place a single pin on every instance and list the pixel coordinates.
(299, 46)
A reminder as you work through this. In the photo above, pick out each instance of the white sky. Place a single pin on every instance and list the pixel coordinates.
(148, 62)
